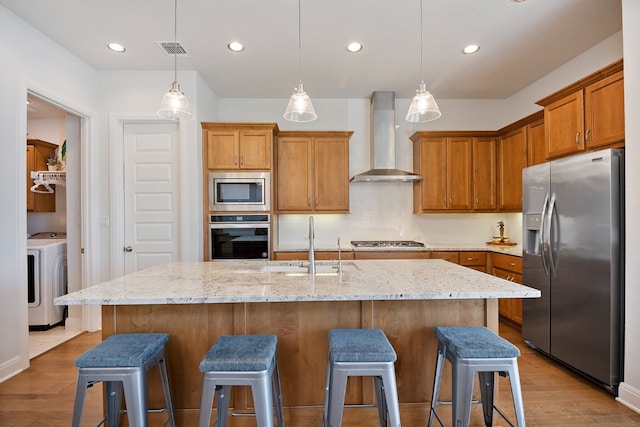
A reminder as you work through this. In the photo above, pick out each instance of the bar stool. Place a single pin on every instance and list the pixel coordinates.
(360, 352)
(248, 360)
(122, 362)
(472, 349)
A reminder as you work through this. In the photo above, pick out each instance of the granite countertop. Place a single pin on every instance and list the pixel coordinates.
(244, 281)
(515, 250)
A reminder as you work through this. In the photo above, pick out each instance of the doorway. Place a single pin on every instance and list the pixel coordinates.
(57, 133)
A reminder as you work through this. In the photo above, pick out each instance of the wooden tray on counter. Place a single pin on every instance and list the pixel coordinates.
(501, 244)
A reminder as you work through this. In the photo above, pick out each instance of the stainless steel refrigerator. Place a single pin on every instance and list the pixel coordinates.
(573, 252)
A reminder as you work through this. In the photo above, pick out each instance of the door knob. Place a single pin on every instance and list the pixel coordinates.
(128, 249)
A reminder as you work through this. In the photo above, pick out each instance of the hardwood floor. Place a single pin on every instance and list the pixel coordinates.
(553, 396)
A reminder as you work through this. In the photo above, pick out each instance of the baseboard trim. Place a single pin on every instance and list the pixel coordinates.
(629, 397)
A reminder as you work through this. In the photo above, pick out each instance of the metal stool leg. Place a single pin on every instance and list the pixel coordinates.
(381, 401)
(114, 402)
(391, 396)
(327, 383)
(224, 397)
(78, 404)
(487, 380)
(437, 378)
(337, 390)
(277, 394)
(135, 395)
(262, 392)
(516, 393)
(206, 402)
(462, 377)
(166, 389)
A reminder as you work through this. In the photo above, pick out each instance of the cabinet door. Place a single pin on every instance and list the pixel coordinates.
(512, 158)
(430, 160)
(484, 174)
(604, 111)
(536, 147)
(564, 125)
(459, 173)
(294, 174)
(255, 149)
(331, 174)
(222, 149)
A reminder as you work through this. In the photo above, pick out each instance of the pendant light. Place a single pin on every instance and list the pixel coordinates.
(423, 107)
(175, 105)
(300, 108)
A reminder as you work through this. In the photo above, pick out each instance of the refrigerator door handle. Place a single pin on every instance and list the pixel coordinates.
(552, 206)
(543, 248)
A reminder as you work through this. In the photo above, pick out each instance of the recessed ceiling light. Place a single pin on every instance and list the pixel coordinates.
(116, 47)
(235, 47)
(472, 48)
(354, 47)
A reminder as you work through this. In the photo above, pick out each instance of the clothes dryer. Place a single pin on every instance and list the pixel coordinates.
(47, 279)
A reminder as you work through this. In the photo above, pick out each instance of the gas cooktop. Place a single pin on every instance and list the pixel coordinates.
(386, 244)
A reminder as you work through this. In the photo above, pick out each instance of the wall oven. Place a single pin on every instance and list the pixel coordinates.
(239, 191)
(239, 237)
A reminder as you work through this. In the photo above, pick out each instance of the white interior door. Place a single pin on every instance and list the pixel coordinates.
(151, 195)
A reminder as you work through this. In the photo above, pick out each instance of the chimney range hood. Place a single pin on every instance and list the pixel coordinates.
(383, 143)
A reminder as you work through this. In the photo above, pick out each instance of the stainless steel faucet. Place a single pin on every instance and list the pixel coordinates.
(312, 251)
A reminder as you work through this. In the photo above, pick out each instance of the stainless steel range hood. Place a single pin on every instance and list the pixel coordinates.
(383, 142)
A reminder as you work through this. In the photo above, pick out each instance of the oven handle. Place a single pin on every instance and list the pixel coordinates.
(218, 225)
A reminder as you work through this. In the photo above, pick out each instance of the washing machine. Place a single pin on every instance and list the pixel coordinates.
(47, 279)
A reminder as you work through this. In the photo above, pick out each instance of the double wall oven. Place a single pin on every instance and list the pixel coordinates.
(239, 218)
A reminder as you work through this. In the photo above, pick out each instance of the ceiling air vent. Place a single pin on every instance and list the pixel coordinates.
(172, 48)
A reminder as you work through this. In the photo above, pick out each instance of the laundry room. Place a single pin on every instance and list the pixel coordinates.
(46, 212)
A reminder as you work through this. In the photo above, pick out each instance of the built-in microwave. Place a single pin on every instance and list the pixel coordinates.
(239, 191)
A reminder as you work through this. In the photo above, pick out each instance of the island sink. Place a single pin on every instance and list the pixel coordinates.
(302, 267)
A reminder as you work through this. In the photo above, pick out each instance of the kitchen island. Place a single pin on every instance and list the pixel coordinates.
(198, 302)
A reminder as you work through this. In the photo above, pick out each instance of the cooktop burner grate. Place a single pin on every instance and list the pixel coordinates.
(386, 244)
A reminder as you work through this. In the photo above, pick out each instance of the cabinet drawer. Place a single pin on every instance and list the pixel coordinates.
(473, 258)
(450, 256)
(507, 262)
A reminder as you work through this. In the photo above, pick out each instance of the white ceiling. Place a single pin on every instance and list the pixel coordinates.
(520, 41)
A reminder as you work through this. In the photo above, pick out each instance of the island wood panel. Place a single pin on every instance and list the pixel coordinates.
(302, 330)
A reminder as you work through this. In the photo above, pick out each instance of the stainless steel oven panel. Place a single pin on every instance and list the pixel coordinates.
(262, 179)
(247, 240)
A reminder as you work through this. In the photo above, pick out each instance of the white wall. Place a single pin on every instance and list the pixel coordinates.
(630, 389)
(40, 64)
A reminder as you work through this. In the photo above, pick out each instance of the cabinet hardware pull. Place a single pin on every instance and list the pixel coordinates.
(235, 160)
(512, 264)
(586, 135)
(309, 202)
(241, 160)
(577, 137)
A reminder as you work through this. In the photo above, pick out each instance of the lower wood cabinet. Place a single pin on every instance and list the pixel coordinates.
(391, 254)
(304, 255)
(476, 260)
(508, 267)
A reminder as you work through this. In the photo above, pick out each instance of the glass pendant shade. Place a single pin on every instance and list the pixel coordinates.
(423, 107)
(175, 105)
(300, 108)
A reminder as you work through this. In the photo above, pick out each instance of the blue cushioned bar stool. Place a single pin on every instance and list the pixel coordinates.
(472, 349)
(122, 361)
(360, 352)
(248, 360)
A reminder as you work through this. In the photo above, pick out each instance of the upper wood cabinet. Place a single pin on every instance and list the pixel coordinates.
(512, 158)
(238, 146)
(604, 111)
(536, 152)
(447, 168)
(37, 154)
(484, 173)
(312, 172)
(588, 114)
